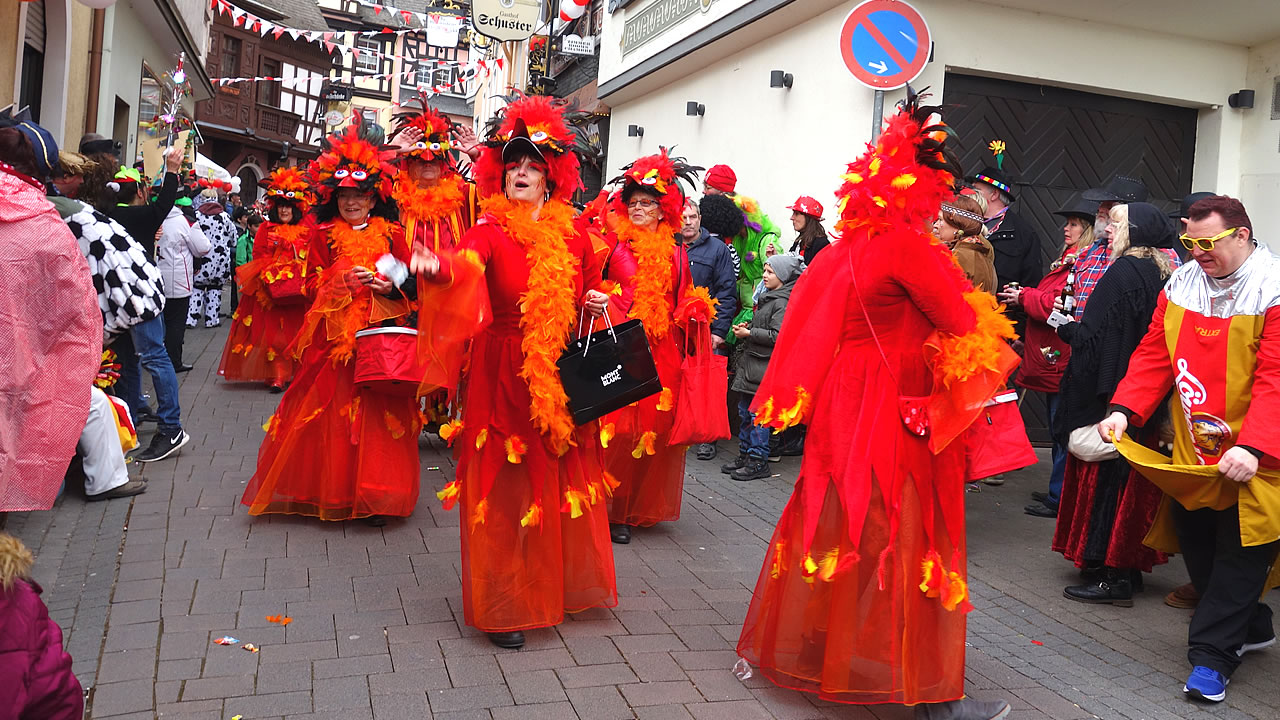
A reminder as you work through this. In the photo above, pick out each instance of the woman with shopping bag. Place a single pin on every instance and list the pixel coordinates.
(530, 485)
(272, 303)
(336, 448)
(646, 276)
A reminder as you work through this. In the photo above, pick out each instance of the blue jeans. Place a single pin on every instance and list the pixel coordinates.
(144, 345)
(753, 440)
(1059, 458)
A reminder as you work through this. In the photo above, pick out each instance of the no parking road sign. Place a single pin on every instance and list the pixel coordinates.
(885, 43)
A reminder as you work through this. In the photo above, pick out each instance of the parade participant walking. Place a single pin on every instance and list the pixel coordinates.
(437, 205)
(806, 219)
(532, 491)
(842, 608)
(1046, 354)
(648, 279)
(263, 326)
(215, 270)
(1215, 340)
(1106, 507)
(335, 450)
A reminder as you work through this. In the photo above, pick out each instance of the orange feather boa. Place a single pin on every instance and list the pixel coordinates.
(548, 309)
(653, 250)
(425, 204)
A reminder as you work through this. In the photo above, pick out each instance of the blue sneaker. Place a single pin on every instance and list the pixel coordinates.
(1206, 684)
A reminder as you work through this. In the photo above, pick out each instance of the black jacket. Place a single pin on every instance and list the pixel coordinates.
(711, 266)
(766, 323)
(142, 221)
(1017, 252)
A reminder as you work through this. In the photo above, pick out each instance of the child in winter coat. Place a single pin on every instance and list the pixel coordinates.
(780, 275)
(35, 672)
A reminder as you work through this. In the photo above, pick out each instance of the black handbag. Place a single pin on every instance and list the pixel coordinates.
(608, 370)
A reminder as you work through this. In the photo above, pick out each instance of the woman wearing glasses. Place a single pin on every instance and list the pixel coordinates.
(647, 277)
(1106, 508)
(1046, 355)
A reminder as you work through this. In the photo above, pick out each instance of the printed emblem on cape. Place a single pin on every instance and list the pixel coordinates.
(1209, 433)
(1190, 389)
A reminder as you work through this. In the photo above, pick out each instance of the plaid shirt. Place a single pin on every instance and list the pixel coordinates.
(1090, 267)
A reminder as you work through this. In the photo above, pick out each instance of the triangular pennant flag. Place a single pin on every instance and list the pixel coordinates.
(406, 15)
(294, 33)
(329, 46)
(277, 32)
(377, 10)
(237, 16)
(328, 36)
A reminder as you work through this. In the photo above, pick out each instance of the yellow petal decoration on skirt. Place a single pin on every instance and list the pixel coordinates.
(450, 430)
(449, 494)
(516, 449)
(394, 426)
(271, 354)
(645, 445)
(248, 320)
(606, 434)
(480, 513)
(532, 517)
(574, 500)
(481, 438)
(955, 592)
(665, 400)
(611, 483)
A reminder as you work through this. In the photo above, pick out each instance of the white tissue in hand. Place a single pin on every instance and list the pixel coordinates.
(390, 267)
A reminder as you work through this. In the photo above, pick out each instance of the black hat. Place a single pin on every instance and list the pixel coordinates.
(1148, 227)
(520, 145)
(1081, 208)
(994, 177)
(1188, 201)
(1121, 189)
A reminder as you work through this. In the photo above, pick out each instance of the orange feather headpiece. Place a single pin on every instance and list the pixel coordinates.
(348, 160)
(538, 122)
(435, 127)
(661, 175)
(289, 185)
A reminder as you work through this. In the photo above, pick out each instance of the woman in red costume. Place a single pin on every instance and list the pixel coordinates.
(535, 541)
(263, 328)
(646, 273)
(333, 450)
(887, 354)
(437, 205)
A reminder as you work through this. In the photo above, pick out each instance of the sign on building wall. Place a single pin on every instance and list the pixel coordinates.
(443, 29)
(574, 45)
(885, 43)
(505, 20)
(657, 19)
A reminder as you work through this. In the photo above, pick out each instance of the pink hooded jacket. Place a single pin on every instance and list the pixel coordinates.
(37, 683)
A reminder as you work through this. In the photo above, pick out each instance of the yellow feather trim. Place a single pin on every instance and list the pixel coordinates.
(532, 517)
(482, 437)
(606, 434)
(448, 495)
(575, 499)
(645, 446)
(960, 357)
(516, 449)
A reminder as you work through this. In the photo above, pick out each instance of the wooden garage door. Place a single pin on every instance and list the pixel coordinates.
(1061, 142)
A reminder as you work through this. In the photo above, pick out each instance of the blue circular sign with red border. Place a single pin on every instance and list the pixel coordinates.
(885, 43)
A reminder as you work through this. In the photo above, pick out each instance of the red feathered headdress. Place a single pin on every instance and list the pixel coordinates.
(904, 178)
(348, 160)
(436, 128)
(660, 174)
(539, 120)
(289, 184)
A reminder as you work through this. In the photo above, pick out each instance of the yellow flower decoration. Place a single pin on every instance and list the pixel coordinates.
(997, 147)
(481, 438)
(606, 434)
(532, 517)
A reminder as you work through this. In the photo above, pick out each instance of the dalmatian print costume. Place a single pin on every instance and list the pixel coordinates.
(129, 287)
(214, 271)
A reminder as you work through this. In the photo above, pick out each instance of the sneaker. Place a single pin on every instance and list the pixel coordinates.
(755, 469)
(162, 446)
(136, 487)
(146, 415)
(1206, 684)
(735, 464)
(1251, 646)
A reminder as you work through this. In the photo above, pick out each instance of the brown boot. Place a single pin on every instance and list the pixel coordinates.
(1183, 597)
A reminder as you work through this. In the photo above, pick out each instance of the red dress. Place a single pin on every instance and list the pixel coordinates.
(862, 596)
(650, 472)
(332, 450)
(535, 536)
(262, 329)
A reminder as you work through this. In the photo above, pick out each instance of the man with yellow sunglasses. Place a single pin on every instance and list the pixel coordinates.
(1215, 340)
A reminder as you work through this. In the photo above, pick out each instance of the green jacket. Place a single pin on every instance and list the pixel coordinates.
(751, 244)
(244, 248)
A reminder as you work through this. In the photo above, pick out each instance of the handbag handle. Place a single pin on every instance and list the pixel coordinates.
(871, 327)
(590, 327)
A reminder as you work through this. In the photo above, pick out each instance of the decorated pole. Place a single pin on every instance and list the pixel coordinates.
(180, 88)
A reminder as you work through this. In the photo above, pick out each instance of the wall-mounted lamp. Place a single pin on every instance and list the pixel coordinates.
(635, 131)
(780, 79)
(1241, 99)
(694, 108)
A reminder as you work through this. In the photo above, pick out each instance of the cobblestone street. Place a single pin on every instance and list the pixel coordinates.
(143, 586)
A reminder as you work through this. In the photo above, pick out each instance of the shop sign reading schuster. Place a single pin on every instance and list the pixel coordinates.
(656, 19)
(505, 20)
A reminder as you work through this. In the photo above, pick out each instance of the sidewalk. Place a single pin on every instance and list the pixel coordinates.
(143, 586)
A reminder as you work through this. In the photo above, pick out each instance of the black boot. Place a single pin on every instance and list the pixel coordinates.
(755, 469)
(1114, 588)
(513, 640)
(738, 463)
(620, 534)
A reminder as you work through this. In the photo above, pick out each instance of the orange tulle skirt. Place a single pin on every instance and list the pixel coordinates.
(261, 332)
(335, 452)
(650, 472)
(852, 636)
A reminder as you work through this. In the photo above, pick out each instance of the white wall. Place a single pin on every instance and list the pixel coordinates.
(127, 43)
(785, 143)
(1260, 146)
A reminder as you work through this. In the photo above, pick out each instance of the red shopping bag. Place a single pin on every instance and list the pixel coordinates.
(701, 416)
(387, 360)
(285, 283)
(997, 441)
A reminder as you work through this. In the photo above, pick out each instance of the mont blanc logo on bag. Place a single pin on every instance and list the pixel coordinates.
(607, 370)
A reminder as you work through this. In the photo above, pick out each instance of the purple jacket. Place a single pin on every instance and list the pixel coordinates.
(35, 672)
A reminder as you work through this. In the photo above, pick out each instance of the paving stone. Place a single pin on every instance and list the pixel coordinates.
(123, 697)
(596, 675)
(471, 670)
(734, 710)
(218, 687)
(545, 711)
(401, 707)
(341, 693)
(599, 703)
(469, 698)
(534, 687)
(660, 693)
